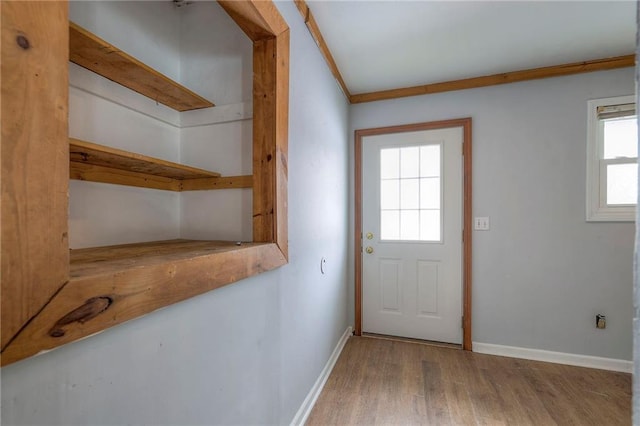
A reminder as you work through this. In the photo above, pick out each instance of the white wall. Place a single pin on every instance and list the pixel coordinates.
(541, 273)
(247, 353)
(217, 61)
(147, 30)
(103, 214)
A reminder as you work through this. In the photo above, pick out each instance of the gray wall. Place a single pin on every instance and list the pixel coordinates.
(244, 354)
(541, 273)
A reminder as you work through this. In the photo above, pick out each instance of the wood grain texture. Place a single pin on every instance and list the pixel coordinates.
(35, 257)
(98, 163)
(110, 285)
(92, 173)
(379, 382)
(258, 19)
(226, 182)
(95, 54)
(357, 237)
(467, 213)
(114, 284)
(314, 29)
(495, 79)
(467, 233)
(264, 133)
(99, 155)
(281, 218)
(270, 127)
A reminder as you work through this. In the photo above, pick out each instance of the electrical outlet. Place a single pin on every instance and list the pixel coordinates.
(601, 321)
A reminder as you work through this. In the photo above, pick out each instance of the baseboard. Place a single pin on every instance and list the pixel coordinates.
(611, 364)
(307, 405)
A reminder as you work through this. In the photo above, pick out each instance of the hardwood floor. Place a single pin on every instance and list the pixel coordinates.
(384, 382)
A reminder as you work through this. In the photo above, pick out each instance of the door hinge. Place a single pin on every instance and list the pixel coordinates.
(462, 322)
(463, 235)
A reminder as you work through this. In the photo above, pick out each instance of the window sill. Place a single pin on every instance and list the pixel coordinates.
(608, 215)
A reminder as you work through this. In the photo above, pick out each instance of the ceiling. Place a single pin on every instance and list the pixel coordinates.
(380, 45)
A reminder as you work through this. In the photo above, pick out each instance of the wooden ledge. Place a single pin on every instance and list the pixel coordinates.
(99, 163)
(111, 285)
(93, 53)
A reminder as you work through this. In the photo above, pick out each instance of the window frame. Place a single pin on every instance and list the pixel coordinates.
(597, 209)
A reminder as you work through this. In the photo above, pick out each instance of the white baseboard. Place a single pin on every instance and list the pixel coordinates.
(611, 364)
(307, 405)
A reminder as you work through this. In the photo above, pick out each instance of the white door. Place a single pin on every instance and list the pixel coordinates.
(412, 234)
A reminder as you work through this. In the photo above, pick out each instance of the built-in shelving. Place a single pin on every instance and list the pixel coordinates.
(108, 260)
(51, 295)
(98, 163)
(95, 54)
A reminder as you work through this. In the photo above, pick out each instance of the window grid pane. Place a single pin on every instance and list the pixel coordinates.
(621, 138)
(622, 184)
(410, 193)
(390, 163)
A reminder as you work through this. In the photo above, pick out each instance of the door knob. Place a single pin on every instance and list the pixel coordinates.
(369, 250)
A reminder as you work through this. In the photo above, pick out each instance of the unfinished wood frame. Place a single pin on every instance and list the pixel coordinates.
(93, 53)
(467, 221)
(495, 79)
(49, 300)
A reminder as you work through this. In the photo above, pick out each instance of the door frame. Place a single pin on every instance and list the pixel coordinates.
(467, 221)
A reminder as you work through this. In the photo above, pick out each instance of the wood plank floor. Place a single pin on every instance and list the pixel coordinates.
(385, 382)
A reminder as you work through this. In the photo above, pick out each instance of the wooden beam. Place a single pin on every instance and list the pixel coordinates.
(226, 182)
(101, 174)
(93, 53)
(270, 131)
(156, 275)
(100, 155)
(281, 143)
(34, 159)
(258, 19)
(504, 78)
(312, 25)
(264, 134)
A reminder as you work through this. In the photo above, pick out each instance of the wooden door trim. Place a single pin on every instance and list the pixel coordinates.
(467, 221)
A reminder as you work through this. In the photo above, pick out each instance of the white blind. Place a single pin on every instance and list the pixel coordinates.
(616, 111)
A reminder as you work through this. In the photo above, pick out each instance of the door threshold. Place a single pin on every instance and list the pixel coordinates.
(412, 340)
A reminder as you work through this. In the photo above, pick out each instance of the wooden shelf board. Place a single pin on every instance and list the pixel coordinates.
(110, 260)
(99, 155)
(95, 54)
(111, 285)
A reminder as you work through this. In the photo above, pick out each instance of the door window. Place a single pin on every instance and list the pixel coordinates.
(411, 193)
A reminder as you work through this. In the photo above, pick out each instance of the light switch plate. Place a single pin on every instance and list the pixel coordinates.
(481, 223)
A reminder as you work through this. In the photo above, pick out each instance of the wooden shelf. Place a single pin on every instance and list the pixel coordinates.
(98, 163)
(111, 285)
(112, 260)
(48, 302)
(95, 54)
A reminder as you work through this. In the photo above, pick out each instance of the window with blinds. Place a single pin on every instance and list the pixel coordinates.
(612, 169)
